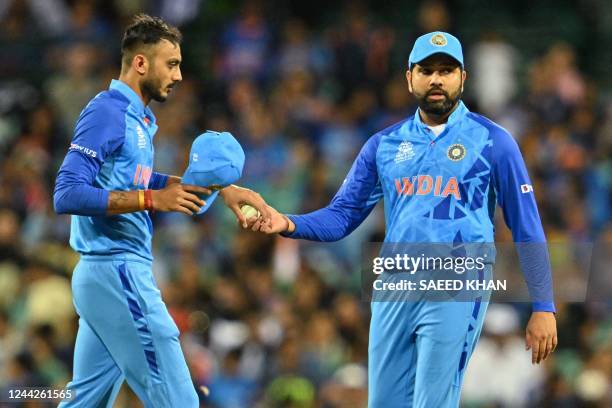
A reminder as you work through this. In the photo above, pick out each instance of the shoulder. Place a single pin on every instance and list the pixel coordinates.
(394, 128)
(107, 109)
(375, 139)
(503, 142)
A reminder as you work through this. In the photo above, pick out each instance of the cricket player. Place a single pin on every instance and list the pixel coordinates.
(108, 184)
(441, 173)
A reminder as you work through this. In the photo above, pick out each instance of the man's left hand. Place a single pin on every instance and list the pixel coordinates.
(541, 336)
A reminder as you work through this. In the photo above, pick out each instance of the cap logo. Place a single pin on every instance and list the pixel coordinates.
(439, 40)
(195, 157)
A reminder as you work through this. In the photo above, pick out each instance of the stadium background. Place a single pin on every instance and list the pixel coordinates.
(276, 323)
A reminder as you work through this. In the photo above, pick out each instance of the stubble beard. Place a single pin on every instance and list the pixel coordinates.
(151, 89)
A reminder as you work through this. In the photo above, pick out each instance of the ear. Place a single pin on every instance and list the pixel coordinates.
(408, 77)
(463, 78)
(140, 64)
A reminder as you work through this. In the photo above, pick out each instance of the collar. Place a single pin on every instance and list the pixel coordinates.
(454, 117)
(134, 99)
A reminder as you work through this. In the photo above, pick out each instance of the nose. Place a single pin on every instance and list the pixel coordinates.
(177, 77)
(435, 79)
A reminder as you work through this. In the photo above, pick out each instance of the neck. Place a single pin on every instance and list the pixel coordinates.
(431, 119)
(132, 81)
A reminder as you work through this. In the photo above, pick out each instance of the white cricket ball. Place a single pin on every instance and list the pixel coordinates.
(249, 212)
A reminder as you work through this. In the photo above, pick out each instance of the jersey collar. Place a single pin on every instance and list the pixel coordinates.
(455, 117)
(134, 99)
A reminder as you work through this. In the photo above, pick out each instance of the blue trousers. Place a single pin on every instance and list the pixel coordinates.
(419, 350)
(125, 333)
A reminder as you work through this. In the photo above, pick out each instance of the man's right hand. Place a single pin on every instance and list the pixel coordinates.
(278, 223)
(180, 198)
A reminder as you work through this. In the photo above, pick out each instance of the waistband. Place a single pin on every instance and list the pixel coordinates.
(126, 256)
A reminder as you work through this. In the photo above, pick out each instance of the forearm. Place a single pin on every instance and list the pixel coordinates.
(121, 202)
(324, 225)
(535, 265)
(80, 199)
(173, 180)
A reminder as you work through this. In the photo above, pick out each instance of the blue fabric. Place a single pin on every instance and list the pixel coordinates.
(441, 190)
(416, 358)
(216, 159)
(99, 133)
(74, 191)
(433, 43)
(515, 196)
(112, 150)
(158, 181)
(125, 333)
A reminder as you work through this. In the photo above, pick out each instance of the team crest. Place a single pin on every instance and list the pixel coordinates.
(456, 152)
(439, 40)
(404, 152)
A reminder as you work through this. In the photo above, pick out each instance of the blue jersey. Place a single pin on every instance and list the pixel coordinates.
(112, 150)
(439, 190)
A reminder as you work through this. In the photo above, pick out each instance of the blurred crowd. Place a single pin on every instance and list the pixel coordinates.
(267, 321)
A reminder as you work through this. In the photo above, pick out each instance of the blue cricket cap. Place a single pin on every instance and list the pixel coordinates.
(434, 43)
(216, 160)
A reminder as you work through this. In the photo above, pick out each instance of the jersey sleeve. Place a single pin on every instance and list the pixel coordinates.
(158, 181)
(516, 197)
(99, 132)
(353, 202)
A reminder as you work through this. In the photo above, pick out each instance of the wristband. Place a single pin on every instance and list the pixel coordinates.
(141, 200)
(148, 200)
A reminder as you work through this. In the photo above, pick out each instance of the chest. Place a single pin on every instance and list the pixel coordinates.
(414, 163)
(135, 161)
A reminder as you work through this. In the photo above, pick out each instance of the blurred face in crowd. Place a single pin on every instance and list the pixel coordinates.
(160, 70)
(436, 83)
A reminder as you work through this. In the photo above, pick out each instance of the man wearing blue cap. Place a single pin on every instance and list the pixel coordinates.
(441, 172)
(107, 183)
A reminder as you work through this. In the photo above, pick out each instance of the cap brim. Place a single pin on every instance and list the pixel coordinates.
(209, 200)
(434, 52)
(189, 179)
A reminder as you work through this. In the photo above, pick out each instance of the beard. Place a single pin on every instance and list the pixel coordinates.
(441, 107)
(151, 89)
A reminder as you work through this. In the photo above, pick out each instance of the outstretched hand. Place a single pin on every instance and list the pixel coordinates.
(541, 336)
(278, 223)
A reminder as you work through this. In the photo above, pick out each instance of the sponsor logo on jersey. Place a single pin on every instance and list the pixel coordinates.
(405, 152)
(426, 185)
(456, 152)
(82, 149)
(526, 188)
(439, 40)
(142, 140)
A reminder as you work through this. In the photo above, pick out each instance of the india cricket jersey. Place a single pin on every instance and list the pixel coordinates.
(125, 330)
(440, 189)
(114, 134)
